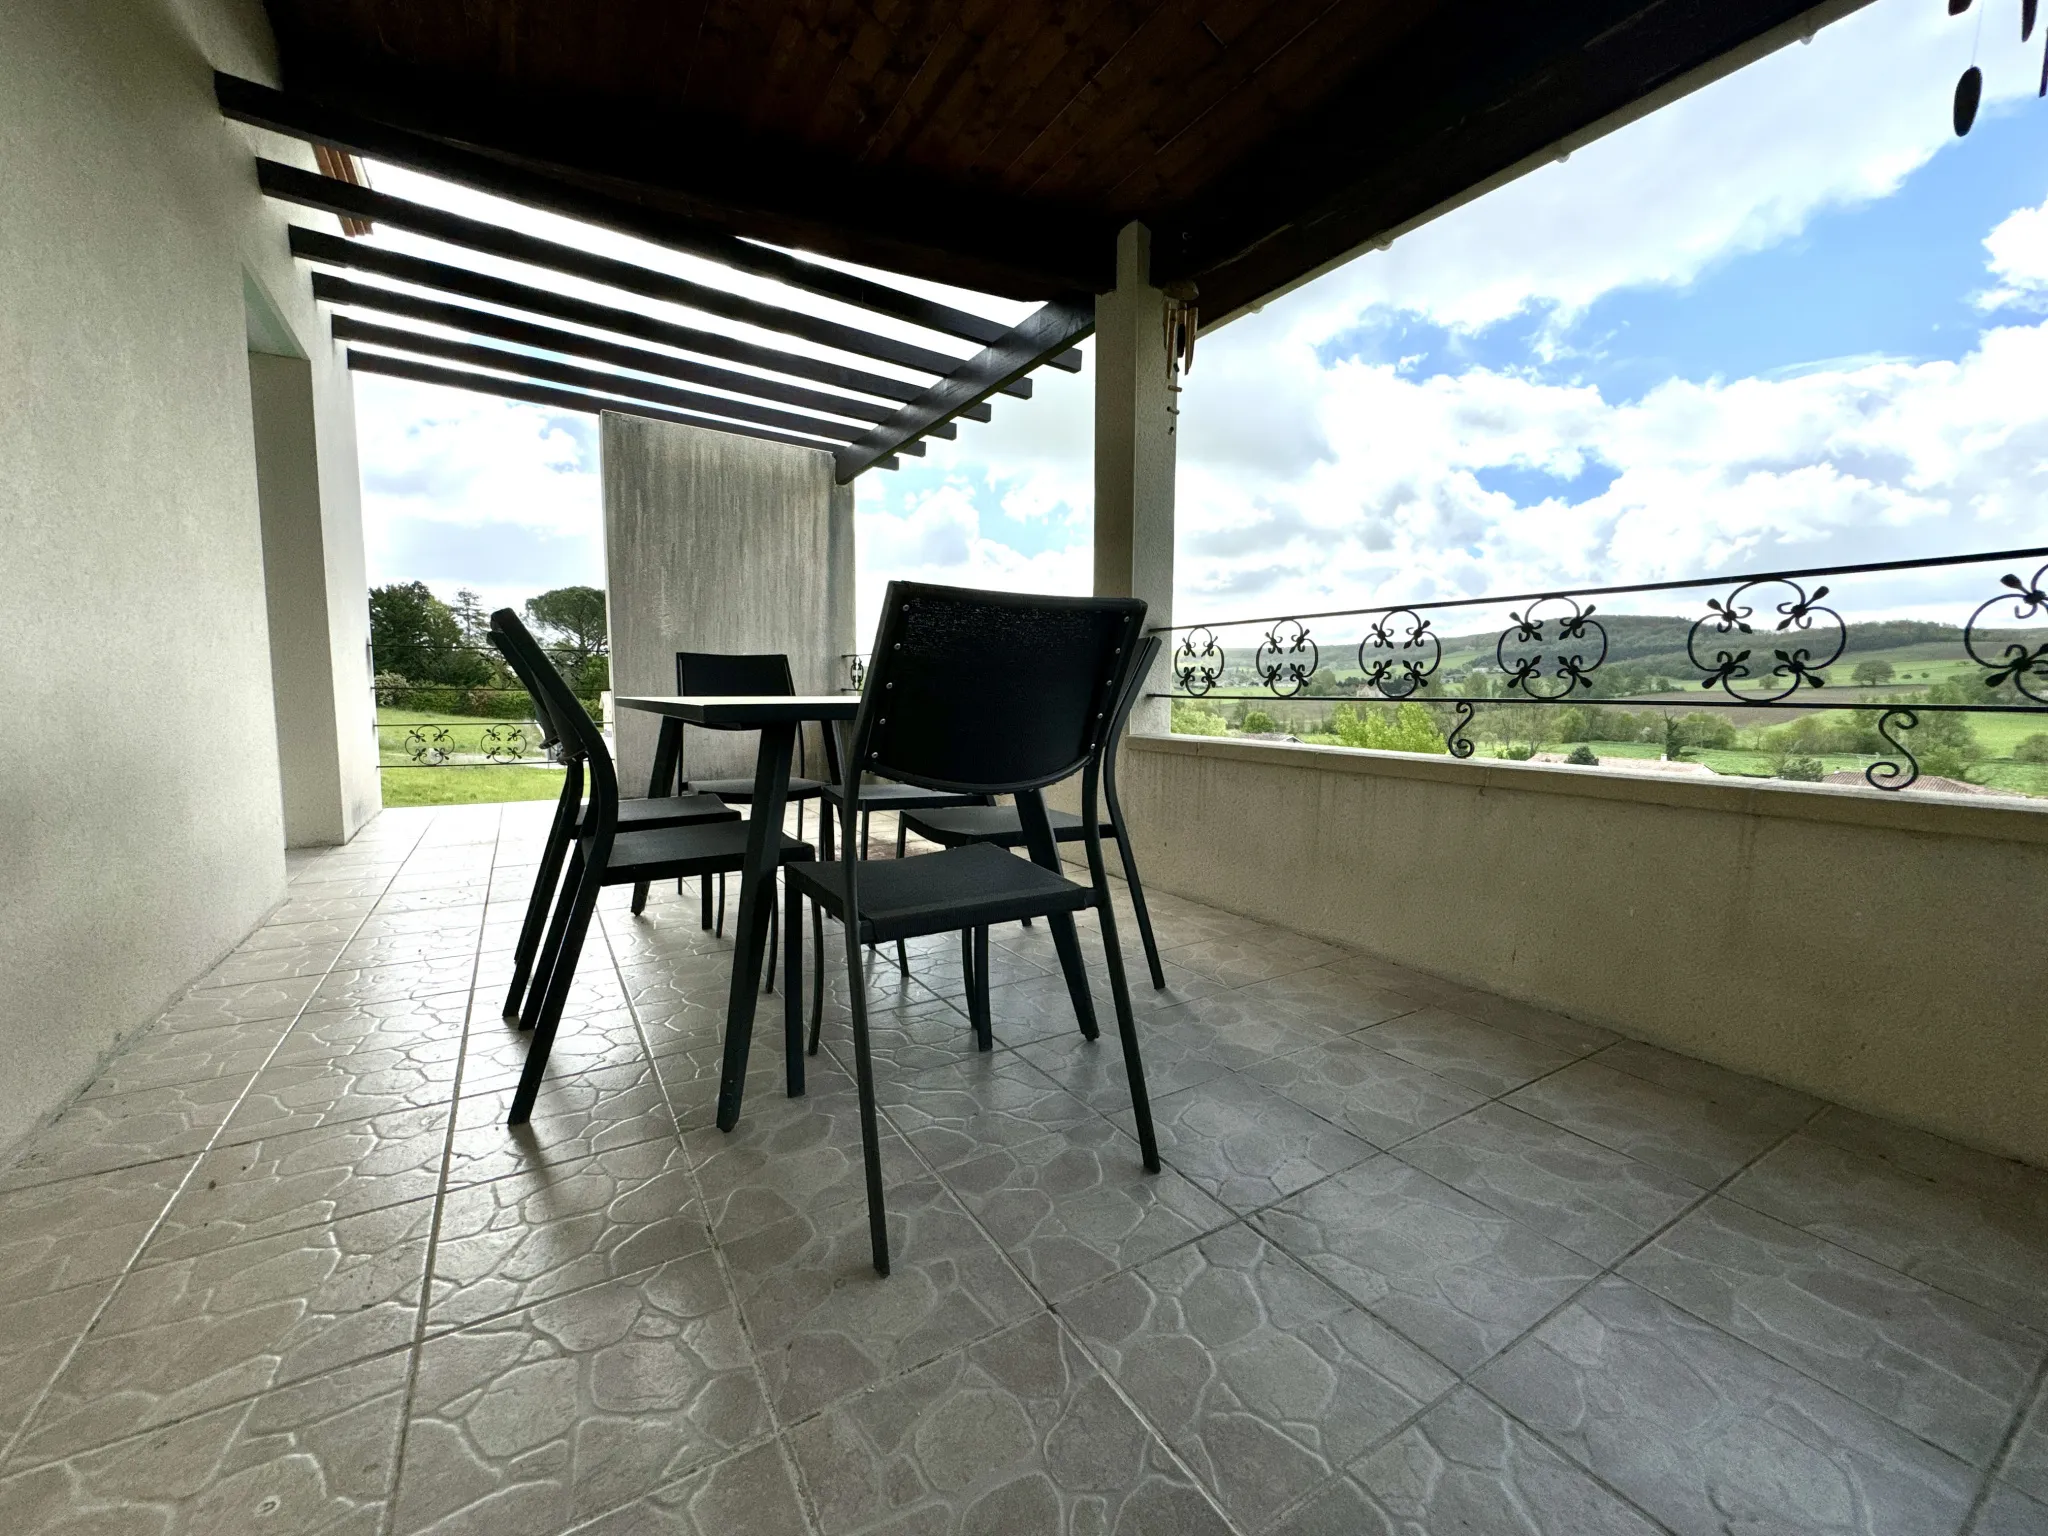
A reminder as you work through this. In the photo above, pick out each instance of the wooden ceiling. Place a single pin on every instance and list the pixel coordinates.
(999, 144)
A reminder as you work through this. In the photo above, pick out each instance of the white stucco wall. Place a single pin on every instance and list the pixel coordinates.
(1877, 950)
(140, 823)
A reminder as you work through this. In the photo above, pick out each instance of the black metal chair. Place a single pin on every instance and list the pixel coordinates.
(650, 815)
(929, 716)
(1002, 826)
(718, 674)
(603, 854)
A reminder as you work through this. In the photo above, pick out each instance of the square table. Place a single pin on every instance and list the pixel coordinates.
(776, 717)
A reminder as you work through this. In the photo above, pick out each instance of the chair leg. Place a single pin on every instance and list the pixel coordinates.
(551, 948)
(902, 836)
(903, 959)
(864, 1080)
(792, 987)
(768, 954)
(977, 994)
(818, 966)
(560, 978)
(1068, 943)
(1123, 848)
(704, 902)
(1127, 1029)
(867, 836)
(718, 926)
(546, 882)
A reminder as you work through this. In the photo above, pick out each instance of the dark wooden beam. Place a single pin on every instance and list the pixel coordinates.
(525, 333)
(290, 184)
(258, 105)
(1051, 329)
(348, 328)
(353, 255)
(559, 399)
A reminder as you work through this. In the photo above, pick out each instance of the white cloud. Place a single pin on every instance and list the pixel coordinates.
(2018, 248)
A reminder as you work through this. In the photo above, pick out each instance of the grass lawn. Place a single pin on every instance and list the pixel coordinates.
(400, 731)
(464, 785)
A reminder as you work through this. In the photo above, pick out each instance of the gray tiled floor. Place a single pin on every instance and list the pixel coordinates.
(1422, 1260)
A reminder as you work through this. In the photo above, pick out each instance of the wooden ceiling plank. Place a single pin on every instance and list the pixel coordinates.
(559, 399)
(330, 289)
(245, 101)
(1107, 35)
(1049, 330)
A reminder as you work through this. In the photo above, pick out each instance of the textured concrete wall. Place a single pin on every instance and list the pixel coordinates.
(1874, 951)
(311, 511)
(140, 824)
(719, 543)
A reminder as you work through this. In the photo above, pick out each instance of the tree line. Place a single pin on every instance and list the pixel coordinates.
(437, 657)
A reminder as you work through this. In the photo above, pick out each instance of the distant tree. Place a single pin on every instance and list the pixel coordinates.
(1583, 756)
(1874, 673)
(412, 632)
(2032, 749)
(1677, 739)
(470, 615)
(1193, 720)
(574, 620)
(1258, 722)
(1805, 770)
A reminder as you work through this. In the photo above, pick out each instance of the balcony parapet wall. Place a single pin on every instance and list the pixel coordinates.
(1882, 951)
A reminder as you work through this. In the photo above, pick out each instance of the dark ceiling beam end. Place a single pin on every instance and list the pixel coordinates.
(1046, 333)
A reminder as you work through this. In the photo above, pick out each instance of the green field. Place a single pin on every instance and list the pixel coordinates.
(467, 776)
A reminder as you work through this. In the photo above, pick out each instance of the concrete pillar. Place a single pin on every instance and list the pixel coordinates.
(1134, 450)
(316, 595)
(719, 543)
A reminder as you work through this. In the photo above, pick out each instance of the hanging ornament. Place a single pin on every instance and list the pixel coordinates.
(2027, 9)
(1183, 320)
(1969, 92)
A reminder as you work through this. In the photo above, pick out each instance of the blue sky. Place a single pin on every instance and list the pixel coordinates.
(1787, 320)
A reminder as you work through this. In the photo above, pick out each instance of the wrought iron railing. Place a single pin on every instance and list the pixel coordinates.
(1763, 641)
(483, 723)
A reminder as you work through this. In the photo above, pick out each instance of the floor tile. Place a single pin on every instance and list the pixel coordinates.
(960, 1110)
(575, 1118)
(753, 1492)
(2026, 1465)
(1378, 1098)
(313, 1459)
(1591, 1199)
(271, 963)
(1949, 1371)
(1018, 1433)
(521, 1239)
(238, 1005)
(54, 1236)
(1971, 1245)
(1459, 1279)
(37, 1335)
(532, 1422)
(1479, 1056)
(167, 1058)
(381, 983)
(295, 936)
(495, 1050)
(1263, 1379)
(825, 1324)
(1076, 1205)
(1767, 1101)
(276, 1184)
(1245, 1144)
(304, 1095)
(2009, 1512)
(182, 1337)
(380, 1024)
(1679, 1131)
(1560, 1030)
(1238, 962)
(1329, 999)
(1466, 1467)
(1932, 1157)
(125, 1130)
(1709, 1435)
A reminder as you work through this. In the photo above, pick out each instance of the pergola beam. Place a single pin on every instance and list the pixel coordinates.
(344, 199)
(1052, 328)
(547, 338)
(560, 399)
(332, 250)
(258, 105)
(347, 328)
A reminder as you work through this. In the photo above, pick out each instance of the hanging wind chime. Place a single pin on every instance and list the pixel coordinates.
(1183, 319)
(1970, 89)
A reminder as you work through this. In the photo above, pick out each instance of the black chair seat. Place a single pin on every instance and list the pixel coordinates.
(903, 797)
(997, 825)
(741, 791)
(670, 811)
(971, 887)
(677, 852)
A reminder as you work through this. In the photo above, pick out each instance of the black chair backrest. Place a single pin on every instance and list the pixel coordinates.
(992, 692)
(580, 738)
(715, 674)
(1140, 673)
(521, 668)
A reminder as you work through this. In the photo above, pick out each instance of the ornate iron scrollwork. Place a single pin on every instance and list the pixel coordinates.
(1456, 743)
(1198, 662)
(1796, 666)
(1278, 659)
(428, 745)
(504, 743)
(1525, 674)
(1397, 674)
(1887, 773)
(2018, 664)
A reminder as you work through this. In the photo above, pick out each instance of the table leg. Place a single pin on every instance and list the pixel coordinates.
(668, 755)
(757, 898)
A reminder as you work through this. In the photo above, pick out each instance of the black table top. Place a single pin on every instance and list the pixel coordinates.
(744, 709)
